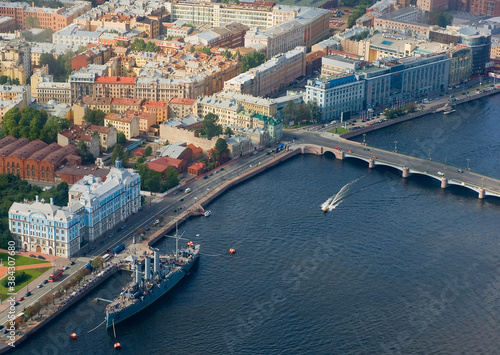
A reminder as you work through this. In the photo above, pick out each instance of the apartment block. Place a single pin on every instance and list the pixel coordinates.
(271, 76)
(127, 123)
(46, 91)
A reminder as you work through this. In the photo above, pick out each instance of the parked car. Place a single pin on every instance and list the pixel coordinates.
(21, 299)
(32, 256)
(66, 267)
(72, 263)
(41, 257)
(440, 173)
(40, 286)
(27, 294)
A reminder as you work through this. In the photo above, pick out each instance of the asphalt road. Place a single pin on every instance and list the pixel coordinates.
(167, 207)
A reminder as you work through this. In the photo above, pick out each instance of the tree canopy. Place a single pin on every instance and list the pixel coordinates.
(252, 60)
(119, 154)
(139, 45)
(357, 13)
(60, 68)
(95, 117)
(32, 124)
(87, 156)
(153, 181)
(440, 18)
(7, 80)
(121, 138)
(210, 127)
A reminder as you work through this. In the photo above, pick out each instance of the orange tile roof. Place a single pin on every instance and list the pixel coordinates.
(198, 166)
(194, 148)
(163, 163)
(115, 80)
(89, 100)
(163, 104)
(125, 101)
(185, 101)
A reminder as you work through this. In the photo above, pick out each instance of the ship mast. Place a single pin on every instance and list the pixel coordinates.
(176, 242)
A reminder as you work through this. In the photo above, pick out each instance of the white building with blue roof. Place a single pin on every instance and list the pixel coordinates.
(46, 228)
(107, 202)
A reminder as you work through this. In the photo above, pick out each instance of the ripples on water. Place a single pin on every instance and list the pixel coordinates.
(400, 266)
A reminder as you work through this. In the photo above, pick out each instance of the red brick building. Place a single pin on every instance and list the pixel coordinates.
(35, 160)
(161, 165)
(197, 168)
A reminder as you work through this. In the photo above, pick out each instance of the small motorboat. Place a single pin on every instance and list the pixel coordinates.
(207, 213)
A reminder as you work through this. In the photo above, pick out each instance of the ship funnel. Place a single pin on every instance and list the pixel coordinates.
(147, 272)
(157, 262)
(137, 272)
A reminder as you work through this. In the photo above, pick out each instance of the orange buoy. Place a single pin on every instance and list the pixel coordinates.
(118, 346)
(232, 251)
(73, 336)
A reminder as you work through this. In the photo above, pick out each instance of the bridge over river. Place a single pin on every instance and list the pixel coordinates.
(325, 143)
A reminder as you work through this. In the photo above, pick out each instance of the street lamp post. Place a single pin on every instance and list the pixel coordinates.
(395, 146)
(364, 138)
(468, 161)
(429, 157)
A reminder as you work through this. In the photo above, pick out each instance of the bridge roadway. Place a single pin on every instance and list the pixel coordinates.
(322, 142)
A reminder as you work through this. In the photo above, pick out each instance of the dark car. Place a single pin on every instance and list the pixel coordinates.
(41, 257)
(32, 256)
(1, 326)
(45, 281)
(101, 242)
(27, 294)
(72, 263)
(106, 251)
(205, 177)
(181, 200)
(221, 169)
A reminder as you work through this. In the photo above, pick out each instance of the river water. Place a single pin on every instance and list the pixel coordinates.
(399, 266)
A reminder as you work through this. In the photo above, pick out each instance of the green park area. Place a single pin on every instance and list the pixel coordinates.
(20, 260)
(23, 278)
(339, 130)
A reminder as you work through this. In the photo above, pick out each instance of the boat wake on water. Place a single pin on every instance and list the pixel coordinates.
(338, 198)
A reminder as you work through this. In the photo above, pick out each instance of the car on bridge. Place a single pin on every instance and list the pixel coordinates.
(440, 173)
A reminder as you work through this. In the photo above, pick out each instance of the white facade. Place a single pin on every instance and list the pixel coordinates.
(94, 207)
(47, 228)
(72, 36)
(109, 202)
(279, 39)
(336, 96)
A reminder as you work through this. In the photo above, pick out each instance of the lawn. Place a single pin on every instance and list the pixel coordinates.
(340, 130)
(21, 260)
(33, 273)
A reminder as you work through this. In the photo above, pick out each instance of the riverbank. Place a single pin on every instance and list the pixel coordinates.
(428, 111)
(21, 335)
(198, 208)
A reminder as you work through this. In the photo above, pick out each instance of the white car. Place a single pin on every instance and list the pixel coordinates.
(440, 173)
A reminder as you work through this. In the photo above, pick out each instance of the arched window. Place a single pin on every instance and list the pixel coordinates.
(43, 172)
(48, 174)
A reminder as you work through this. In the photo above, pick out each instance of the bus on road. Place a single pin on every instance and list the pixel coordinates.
(55, 276)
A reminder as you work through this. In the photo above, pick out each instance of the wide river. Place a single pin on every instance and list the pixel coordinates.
(399, 266)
